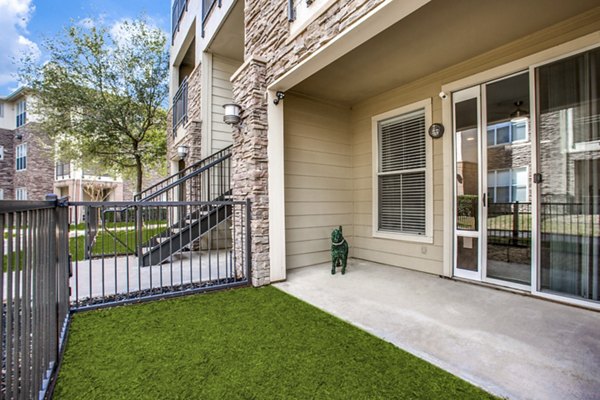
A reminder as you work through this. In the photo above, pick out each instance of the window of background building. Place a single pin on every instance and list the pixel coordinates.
(21, 194)
(21, 157)
(21, 113)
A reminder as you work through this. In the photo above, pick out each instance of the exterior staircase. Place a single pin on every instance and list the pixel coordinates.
(202, 193)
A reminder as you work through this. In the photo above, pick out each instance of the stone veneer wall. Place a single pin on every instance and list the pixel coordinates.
(38, 178)
(7, 166)
(250, 166)
(267, 32)
(267, 38)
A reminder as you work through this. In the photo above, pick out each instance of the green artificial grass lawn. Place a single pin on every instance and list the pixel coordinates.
(240, 344)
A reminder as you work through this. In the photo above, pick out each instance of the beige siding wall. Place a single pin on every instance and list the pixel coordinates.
(429, 257)
(222, 93)
(403, 253)
(323, 149)
(318, 178)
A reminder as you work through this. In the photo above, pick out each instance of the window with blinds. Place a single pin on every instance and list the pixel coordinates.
(401, 174)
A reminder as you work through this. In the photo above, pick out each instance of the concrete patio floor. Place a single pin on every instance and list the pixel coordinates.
(511, 345)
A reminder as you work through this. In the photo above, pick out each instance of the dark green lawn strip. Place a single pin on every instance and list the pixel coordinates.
(240, 344)
(107, 244)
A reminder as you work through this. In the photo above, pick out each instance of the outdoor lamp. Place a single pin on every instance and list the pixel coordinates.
(182, 152)
(232, 114)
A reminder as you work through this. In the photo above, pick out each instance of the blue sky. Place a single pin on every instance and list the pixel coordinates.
(25, 23)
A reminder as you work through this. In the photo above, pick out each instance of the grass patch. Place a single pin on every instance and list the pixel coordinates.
(240, 344)
(107, 244)
(118, 224)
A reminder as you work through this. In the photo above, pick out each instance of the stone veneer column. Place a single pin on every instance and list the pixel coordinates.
(250, 164)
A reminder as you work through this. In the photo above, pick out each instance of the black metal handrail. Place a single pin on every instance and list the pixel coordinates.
(183, 175)
(180, 106)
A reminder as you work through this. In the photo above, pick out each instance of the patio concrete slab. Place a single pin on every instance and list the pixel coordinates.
(512, 345)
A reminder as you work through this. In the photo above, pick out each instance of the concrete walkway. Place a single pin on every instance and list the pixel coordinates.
(511, 345)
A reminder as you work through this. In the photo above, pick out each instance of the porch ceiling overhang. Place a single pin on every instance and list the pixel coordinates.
(229, 40)
(438, 35)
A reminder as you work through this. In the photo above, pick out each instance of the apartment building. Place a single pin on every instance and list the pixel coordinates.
(26, 156)
(28, 170)
(457, 138)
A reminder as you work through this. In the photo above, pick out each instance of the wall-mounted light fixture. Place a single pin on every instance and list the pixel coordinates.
(232, 113)
(18, 136)
(182, 152)
(278, 97)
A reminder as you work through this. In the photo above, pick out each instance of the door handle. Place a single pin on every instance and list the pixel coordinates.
(484, 199)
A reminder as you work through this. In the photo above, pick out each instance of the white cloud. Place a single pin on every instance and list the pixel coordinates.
(14, 17)
(86, 23)
(120, 32)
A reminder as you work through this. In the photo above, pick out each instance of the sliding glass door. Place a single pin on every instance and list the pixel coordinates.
(568, 119)
(507, 154)
(493, 170)
(508, 202)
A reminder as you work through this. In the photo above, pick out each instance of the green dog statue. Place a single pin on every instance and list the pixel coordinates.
(339, 250)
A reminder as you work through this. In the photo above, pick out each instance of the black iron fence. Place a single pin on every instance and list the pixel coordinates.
(509, 224)
(35, 295)
(122, 253)
(147, 250)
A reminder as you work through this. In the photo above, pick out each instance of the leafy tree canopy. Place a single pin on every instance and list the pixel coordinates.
(100, 95)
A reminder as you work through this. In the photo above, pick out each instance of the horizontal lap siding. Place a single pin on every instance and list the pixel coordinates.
(419, 256)
(221, 94)
(402, 253)
(318, 178)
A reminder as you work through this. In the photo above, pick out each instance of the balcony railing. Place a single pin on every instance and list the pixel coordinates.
(179, 7)
(207, 6)
(180, 106)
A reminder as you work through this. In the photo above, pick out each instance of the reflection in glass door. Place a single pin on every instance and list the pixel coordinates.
(508, 173)
(467, 183)
(493, 171)
(568, 119)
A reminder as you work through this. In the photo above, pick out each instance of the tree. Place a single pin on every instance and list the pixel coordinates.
(100, 95)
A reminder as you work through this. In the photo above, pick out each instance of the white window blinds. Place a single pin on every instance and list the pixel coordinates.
(401, 174)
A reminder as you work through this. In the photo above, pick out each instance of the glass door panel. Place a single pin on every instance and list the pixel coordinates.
(508, 173)
(467, 184)
(568, 119)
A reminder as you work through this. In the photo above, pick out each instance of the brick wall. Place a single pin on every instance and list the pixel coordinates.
(7, 166)
(38, 178)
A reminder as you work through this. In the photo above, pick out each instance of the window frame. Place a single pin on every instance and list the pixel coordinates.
(426, 106)
(20, 156)
(512, 171)
(511, 128)
(21, 117)
(1, 153)
(22, 191)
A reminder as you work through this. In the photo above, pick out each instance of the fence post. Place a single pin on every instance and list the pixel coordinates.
(248, 241)
(515, 224)
(139, 236)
